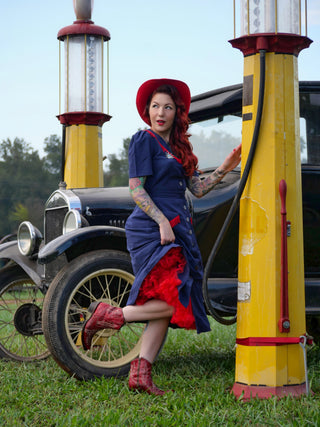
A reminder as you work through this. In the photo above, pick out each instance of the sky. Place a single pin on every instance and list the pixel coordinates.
(181, 39)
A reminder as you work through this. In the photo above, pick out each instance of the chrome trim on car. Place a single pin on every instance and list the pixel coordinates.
(29, 238)
(72, 221)
(62, 199)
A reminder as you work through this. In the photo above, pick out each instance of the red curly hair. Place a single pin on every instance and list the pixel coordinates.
(179, 136)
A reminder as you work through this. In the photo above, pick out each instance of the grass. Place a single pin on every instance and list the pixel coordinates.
(200, 368)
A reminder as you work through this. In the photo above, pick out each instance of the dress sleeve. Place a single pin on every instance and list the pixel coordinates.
(140, 155)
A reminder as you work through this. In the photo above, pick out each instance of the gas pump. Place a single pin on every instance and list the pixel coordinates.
(83, 114)
(271, 333)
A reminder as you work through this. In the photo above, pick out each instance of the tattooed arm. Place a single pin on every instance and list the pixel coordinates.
(144, 201)
(200, 187)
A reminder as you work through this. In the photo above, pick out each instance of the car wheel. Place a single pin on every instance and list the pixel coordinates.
(103, 275)
(212, 309)
(313, 328)
(21, 302)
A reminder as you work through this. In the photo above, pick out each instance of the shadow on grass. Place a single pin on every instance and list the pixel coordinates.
(199, 363)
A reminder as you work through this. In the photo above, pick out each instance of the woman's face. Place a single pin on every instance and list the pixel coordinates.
(162, 112)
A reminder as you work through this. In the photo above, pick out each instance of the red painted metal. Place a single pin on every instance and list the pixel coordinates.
(284, 43)
(83, 118)
(284, 322)
(273, 341)
(246, 392)
(83, 27)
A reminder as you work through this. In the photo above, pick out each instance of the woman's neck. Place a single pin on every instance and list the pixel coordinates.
(164, 135)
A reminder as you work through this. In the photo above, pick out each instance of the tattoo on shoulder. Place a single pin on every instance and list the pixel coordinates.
(136, 183)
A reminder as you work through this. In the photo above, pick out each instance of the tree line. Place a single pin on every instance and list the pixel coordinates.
(27, 180)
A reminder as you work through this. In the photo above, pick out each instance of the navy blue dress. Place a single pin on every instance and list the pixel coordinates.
(149, 156)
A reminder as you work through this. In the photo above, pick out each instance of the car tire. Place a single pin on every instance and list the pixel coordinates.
(104, 275)
(313, 328)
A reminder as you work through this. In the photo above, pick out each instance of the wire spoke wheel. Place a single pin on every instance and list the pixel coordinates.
(110, 348)
(21, 302)
(103, 276)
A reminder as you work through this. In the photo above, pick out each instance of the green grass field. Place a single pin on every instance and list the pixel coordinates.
(200, 369)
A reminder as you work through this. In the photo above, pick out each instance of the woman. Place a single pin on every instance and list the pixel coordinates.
(165, 256)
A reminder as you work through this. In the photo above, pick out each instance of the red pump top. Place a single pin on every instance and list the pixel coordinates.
(83, 27)
(278, 43)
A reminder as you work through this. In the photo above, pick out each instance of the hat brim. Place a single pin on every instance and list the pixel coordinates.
(148, 87)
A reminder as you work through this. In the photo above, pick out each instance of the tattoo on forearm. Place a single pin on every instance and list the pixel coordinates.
(200, 187)
(143, 200)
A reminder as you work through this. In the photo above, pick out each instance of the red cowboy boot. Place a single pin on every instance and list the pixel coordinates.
(140, 377)
(104, 316)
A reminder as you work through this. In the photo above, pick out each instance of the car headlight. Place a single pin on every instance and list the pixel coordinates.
(72, 221)
(29, 238)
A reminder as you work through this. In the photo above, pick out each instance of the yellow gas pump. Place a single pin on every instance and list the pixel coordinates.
(270, 354)
(83, 114)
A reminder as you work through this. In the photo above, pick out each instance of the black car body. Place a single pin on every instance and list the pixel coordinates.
(93, 221)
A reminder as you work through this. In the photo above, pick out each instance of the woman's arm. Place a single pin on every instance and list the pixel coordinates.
(144, 201)
(200, 187)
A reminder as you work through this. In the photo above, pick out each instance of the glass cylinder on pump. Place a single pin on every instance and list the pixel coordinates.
(270, 16)
(83, 80)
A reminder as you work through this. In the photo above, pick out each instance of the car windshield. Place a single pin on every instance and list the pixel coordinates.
(310, 127)
(213, 139)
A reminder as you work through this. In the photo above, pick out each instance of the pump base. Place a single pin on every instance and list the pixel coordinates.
(248, 392)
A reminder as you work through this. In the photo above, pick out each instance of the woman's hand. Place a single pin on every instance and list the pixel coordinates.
(144, 201)
(232, 160)
(166, 233)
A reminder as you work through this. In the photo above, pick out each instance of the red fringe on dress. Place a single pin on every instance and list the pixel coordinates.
(162, 283)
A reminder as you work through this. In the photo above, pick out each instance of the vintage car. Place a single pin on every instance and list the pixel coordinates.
(48, 282)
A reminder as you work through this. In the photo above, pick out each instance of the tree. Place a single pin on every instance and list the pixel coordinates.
(19, 213)
(52, 160)
(118, 170)
(25, 183)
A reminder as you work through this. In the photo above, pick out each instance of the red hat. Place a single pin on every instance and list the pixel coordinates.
(148, 87)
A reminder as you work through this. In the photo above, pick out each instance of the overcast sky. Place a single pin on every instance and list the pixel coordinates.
(183, 39)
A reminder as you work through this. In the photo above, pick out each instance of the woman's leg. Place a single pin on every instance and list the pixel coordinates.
(158, 314)
(151, 310)
(153, 337)
(105, 316)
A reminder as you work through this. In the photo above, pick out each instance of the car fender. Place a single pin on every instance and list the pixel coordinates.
(10, 251)
(63, 243)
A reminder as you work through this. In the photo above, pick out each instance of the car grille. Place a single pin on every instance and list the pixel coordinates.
(53, 223)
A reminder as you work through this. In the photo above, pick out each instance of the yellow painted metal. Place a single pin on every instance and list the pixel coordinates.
(83, 156)
(277, 157)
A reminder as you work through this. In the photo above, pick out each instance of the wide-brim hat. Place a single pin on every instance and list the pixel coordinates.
(148, 87)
